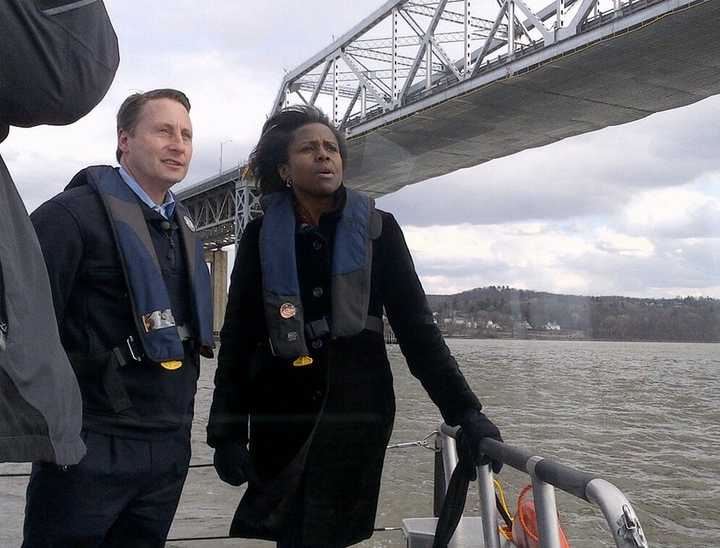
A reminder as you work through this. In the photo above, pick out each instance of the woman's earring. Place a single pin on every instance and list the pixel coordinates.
(288, 182)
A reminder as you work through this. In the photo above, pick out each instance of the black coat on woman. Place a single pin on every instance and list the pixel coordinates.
(318, 433)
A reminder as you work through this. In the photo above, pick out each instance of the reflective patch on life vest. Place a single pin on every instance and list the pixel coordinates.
(171, 365)
(159, 319)
(303, 361)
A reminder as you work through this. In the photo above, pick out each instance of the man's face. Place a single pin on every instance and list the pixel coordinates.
(158, 152)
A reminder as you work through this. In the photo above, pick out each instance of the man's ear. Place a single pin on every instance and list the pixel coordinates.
(123, 140)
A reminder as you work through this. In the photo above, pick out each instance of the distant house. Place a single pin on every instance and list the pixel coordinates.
(552, 326)
(520, 328)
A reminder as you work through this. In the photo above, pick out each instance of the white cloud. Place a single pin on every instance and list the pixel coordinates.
(611, 241)
(597, 260)
(673, 213)
(521, 255)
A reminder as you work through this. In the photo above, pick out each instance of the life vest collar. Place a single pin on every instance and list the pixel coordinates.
(358, 225)
(152, 311)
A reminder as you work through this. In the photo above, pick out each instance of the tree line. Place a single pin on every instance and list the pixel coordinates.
(502, 311)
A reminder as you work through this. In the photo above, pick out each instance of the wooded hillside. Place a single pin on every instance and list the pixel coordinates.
(507, 312)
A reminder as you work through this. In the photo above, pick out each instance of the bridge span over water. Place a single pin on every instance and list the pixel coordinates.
(426, 87)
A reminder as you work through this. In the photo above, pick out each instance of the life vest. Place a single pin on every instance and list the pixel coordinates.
(152, 312)
(351, 269)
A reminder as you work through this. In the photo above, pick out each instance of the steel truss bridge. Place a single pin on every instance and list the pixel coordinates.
(425, 87)
(221, 207)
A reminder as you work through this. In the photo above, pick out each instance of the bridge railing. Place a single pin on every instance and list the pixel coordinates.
(408, 49)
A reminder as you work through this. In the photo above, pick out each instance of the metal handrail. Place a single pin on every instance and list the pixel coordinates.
(545, 475)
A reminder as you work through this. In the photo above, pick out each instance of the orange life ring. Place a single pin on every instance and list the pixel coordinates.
(525, 531)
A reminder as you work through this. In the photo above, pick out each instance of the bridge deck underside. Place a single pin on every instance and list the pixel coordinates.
(672, 62)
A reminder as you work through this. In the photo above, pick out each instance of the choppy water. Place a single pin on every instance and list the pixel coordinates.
(644, 416)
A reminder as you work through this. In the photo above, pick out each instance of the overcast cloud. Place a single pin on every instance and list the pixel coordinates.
(629, 210)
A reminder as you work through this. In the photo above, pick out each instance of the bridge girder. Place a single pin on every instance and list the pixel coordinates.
(415, 34)
(221, 207)
(534, 74)
(527, 78)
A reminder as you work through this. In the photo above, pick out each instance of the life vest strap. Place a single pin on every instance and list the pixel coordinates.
(131, 352)
(320, 328)
(317, 329)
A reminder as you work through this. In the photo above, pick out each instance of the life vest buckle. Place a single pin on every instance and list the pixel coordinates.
(317, 329)
(130, 342)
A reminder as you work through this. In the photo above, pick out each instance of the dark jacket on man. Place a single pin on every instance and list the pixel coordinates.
(58, 59)
(137, 406)
(318, 433)
(121, 396)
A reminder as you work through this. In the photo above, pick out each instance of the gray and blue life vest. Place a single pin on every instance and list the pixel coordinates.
(351, 271)
(152, 312)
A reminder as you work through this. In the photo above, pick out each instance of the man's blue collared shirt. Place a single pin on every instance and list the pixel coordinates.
(166, 209)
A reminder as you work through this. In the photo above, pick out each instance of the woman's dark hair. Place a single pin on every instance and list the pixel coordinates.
(271, 150)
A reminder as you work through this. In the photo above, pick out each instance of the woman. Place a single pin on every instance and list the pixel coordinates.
(302, 355)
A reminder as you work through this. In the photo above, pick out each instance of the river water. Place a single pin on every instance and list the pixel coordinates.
(644, 416)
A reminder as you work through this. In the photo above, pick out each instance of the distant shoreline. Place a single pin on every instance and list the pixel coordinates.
(503, 312)
(574, 338)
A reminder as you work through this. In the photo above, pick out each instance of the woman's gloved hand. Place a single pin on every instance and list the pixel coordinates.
(232, 463)
(476, 426)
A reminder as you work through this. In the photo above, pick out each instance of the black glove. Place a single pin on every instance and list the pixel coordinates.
(232, 463)
(474, 427)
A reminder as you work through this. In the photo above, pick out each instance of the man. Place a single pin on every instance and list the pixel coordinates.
(57, 61)
(132, 298)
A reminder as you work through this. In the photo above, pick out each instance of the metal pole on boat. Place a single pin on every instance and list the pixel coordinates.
(545, 508)
(449, 455)
(450, 461)
(486, 490)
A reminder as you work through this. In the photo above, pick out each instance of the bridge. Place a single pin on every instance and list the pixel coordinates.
(422, 88)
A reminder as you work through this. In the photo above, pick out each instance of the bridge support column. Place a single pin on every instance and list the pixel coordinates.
(247, 206)
(218, 261)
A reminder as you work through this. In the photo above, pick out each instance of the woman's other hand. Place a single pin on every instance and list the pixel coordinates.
(232, 463)
(476, 426)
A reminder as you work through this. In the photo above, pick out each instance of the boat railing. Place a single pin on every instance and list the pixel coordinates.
(545, 476)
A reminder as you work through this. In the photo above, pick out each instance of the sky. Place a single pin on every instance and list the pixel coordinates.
(630, 210)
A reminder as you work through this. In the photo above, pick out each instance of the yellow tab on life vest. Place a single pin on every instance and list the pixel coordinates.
(302, 361)
(171, 365)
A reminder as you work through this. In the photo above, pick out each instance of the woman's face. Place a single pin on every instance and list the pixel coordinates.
(314, 164)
